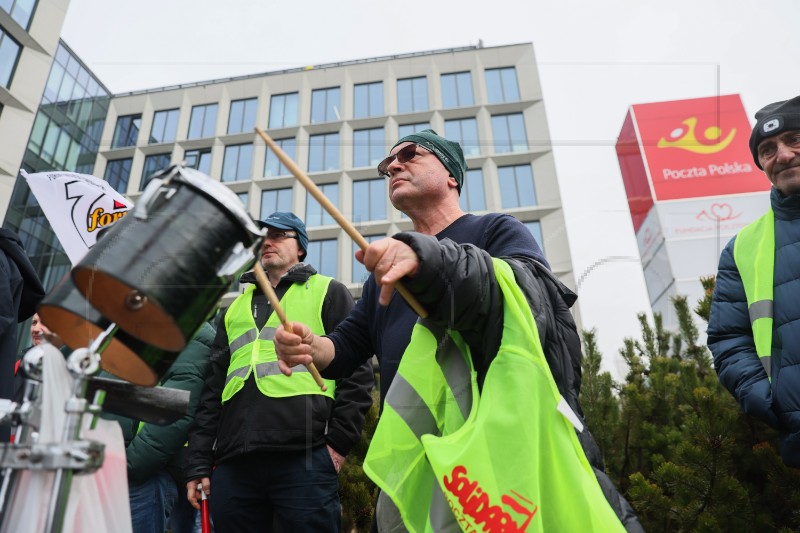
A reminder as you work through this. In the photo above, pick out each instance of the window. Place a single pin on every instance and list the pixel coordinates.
(472, 194)
(369, 200)
(535, 228)
(509, 133)
(283, 110)
(368, 99)
(153, 164)
(408, 129)
(237, 162)
(325, 105)
(165, 126)
(127, 131)
(501, 85)
(412, 95)
(315, 215)
(9, 54)
(244, 198)
(465, 132)
(368, 147)
(20, 10)
(322, 256)
(516, 186)
(275, 200)
(272, 165)
(203, 122)
(360, 273)
(118, 171)
(243, 116)
(457, 90)
(199, 160)
(323, 152)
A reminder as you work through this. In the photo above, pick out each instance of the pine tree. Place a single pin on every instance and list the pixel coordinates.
(686, 456)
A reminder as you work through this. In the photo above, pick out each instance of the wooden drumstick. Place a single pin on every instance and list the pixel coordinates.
(326, 204)
(266, 288)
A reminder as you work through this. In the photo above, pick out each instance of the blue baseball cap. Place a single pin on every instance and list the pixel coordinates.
(288, 221)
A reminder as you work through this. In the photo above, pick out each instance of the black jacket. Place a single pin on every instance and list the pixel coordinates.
(455, 284)
(155, 448)
(251, 421)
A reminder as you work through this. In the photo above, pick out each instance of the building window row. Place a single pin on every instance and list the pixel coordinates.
(369, 145)
(368, 101)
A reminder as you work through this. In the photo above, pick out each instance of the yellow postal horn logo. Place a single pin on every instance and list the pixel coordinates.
(684, 138)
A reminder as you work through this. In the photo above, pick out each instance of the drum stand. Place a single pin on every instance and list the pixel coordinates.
(66, 458)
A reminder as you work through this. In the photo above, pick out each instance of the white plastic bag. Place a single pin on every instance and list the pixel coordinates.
(96, 502)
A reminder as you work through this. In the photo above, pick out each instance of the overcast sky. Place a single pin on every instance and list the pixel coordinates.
(595, 59)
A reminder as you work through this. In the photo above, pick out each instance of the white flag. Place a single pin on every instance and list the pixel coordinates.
(77, 206)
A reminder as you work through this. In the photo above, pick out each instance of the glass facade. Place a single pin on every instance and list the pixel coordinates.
(465, 132)
(118, 173)
(165, 126)
(283, 110)
(272, 165)
(516, 186)
(369, 200)
(20, 10)
(126, 131)
(237, 162)
(199, 160)
(323, 152)
(9, 54)
(326, 105)
(322, 256)
(535, 227)
(242, 117)
(368, 147)
(473, 196)
(501, 85)
(412, 95)
(65, 136)
(509, 133)
(368, 99)
(275, 200)
(457, 90)
(315, 215)
(408, 129)
(152, 164)
(203, 122)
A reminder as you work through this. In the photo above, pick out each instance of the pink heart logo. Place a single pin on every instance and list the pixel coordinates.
(721, 211)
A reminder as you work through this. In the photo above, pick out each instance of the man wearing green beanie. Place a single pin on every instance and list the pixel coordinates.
(446, 263)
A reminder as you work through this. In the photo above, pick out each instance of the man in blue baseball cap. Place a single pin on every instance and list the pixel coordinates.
(275, 444)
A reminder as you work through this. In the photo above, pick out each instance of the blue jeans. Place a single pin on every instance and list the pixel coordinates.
(152, 502)
(276, 491)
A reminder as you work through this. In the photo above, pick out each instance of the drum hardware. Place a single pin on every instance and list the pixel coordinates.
(135, 300)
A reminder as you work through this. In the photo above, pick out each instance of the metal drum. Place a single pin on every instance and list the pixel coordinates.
(159, 272)
(66, 312)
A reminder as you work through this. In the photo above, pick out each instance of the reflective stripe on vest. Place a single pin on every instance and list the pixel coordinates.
(254, 351)
(754, 254)
(427, 454)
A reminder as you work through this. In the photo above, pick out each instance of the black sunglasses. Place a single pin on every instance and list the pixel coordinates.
(404, 155)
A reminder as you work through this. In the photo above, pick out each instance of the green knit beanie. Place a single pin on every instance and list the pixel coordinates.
(448, 152)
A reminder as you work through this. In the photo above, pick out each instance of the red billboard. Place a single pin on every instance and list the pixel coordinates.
(686, 149)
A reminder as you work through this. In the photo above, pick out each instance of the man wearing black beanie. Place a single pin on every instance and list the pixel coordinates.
(754, 327)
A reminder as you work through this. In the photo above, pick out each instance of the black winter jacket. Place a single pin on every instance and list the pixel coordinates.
(455, 283)
(251, 421)
(154, 448)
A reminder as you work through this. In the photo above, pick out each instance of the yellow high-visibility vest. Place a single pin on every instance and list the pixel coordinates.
(448, 457)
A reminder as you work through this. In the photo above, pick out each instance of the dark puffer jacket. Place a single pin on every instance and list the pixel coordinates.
(730, 335)
(453, 283)
(154, 448)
